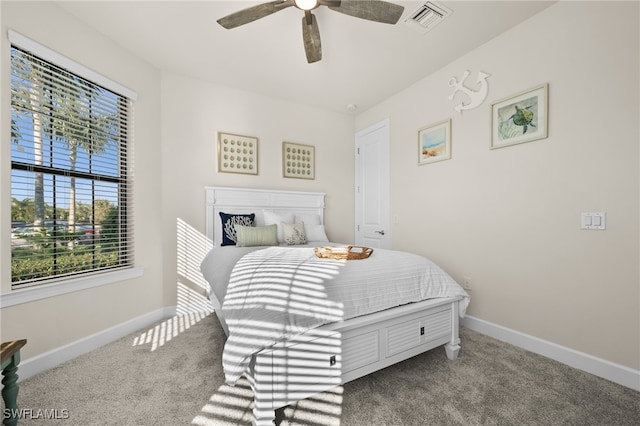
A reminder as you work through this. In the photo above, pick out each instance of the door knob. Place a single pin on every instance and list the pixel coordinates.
(380, 232)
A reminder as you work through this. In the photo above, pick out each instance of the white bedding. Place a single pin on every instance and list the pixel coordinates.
(277, 292)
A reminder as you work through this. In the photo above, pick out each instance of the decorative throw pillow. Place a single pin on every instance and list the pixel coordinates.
(229, 221)
(294, 233)
(315, 233)
(250, 236)
(273, 218)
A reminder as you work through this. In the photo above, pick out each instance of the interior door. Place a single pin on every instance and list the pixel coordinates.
(372, 186)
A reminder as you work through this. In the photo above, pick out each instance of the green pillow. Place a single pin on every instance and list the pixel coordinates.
(249, 236)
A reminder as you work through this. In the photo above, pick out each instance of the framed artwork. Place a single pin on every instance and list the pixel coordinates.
(237, 154)
(434, 142)
(520, 118)
(298, 161)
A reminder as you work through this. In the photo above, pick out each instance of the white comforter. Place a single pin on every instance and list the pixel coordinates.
(278, 292)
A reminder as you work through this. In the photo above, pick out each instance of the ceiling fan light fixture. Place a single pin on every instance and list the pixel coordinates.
(306, 4)
(372, 10)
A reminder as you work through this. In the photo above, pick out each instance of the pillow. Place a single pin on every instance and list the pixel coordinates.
(272, 218)
(228, 222)
(294, 233)
(249, 236)
(308, 219)
(315, 233)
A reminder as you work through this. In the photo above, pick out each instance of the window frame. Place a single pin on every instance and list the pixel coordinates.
(48, 287)
(67, 285)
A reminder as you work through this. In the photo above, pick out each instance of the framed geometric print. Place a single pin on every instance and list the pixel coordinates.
(298, 161)
(237, 154)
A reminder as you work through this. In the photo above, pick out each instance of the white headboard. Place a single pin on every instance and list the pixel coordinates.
(248, 200)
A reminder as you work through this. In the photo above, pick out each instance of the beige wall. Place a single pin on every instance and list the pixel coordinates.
(510, 218)
(56, 321)
(507, 218)
(193, 112)
(174, 157)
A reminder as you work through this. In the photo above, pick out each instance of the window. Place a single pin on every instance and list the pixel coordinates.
(70, 208)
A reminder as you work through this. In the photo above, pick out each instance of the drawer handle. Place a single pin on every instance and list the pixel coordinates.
(332, 360)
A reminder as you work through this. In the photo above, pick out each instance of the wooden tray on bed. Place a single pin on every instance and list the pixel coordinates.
(343, 252)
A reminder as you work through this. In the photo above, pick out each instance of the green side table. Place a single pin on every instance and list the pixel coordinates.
(10, 358)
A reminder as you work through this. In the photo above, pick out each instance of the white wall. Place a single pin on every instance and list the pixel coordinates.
(510, 218)
(193, 112)
(54, 322)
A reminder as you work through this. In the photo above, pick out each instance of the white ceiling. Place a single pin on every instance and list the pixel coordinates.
(362, 62)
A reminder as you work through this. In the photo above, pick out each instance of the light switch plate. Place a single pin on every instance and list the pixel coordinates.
(593, 220)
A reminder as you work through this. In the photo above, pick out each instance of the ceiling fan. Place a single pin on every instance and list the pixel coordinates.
(373, 10)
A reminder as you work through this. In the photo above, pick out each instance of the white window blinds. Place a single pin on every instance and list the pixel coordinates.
(70, 192)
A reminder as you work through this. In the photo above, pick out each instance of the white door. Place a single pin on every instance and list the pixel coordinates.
(372, 186)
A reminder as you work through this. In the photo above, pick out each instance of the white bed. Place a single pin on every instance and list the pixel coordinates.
(329, 351)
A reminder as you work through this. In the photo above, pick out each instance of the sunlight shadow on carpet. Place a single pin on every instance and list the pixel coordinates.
(233, 405)
(162, 333)
(323, 409)
(230, 405)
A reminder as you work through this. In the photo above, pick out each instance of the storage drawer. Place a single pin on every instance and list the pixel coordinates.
(435, 326)
(402, 336)
(305, 368)
(414, 332)
(360, 350)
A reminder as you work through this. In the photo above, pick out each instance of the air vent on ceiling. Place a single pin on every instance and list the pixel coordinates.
(427, 16)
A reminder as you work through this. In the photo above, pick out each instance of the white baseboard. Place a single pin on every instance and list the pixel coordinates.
(57, 356)
(616, 373)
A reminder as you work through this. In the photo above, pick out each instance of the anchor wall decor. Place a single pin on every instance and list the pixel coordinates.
(475, 97)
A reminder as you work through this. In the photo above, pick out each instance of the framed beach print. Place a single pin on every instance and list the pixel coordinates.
(520, 118)
(434, 142)
(237, 154)
(298, 161)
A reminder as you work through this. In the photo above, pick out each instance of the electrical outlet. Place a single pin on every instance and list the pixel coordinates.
(466, 284)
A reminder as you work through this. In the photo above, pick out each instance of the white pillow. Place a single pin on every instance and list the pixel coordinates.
(315, 233)
(273, 218)
(308, 219)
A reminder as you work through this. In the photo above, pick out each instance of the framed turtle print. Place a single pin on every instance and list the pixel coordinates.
(520, 118)
(237, 154)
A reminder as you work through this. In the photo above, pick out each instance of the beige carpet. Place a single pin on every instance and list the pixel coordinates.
(171, 374)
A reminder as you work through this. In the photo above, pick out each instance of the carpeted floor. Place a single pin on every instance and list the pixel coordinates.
(171, 374)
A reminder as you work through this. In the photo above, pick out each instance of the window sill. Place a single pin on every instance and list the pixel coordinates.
(44, 291)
